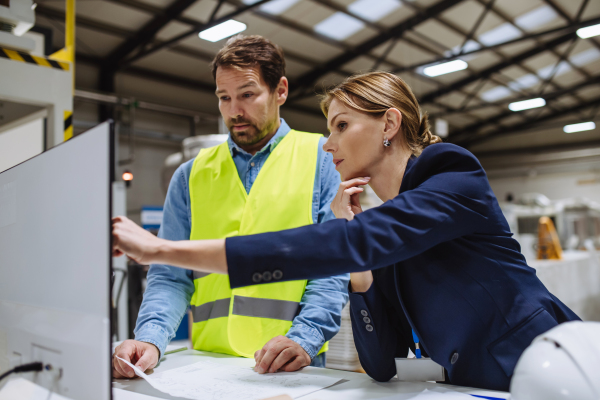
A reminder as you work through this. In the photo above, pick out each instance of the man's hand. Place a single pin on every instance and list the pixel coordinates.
(281, 353)
(346, 203)
(141, 354)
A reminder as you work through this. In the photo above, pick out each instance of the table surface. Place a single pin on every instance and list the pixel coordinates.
(352, 385)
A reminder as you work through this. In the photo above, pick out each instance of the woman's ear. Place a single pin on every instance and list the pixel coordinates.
(393, 121)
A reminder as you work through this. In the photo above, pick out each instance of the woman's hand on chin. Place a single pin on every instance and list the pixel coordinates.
(346, 203)
(133, 241)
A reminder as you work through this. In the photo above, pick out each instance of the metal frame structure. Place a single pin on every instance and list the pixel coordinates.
(46, 87)
(143, 42)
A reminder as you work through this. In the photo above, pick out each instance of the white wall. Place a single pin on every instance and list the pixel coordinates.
(21, 143)
(554, 186)
(146, 188)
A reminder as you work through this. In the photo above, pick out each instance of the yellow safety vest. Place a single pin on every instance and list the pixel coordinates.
(241, 321)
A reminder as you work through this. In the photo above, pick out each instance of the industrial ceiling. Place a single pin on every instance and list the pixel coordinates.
(515, 50)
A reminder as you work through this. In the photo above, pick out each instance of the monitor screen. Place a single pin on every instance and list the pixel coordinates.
(55, 265)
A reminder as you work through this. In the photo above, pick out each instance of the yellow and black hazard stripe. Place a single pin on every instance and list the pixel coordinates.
(31, 59)
(68, 125)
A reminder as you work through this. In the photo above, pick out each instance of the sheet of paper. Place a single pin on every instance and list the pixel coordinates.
(432, 395)
(208, 380)
(22, 389)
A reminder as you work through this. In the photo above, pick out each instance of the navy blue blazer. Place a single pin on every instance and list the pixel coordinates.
(444, 264)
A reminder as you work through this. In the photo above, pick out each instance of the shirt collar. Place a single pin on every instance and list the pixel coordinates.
(283, 130)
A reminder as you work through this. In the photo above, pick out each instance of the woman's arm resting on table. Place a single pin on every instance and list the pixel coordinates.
(145, 248)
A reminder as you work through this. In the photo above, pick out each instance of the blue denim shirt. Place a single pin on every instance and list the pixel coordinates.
(169, 289)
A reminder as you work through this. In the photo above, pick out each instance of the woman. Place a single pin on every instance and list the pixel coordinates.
(436, 258)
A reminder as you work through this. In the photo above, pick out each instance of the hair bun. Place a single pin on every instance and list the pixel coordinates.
(425, 135)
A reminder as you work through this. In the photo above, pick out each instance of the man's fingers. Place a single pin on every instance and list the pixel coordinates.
(146, 361)
(295, 365)
(258, 356)
(270, 355)
(118, 364)
(117, 373)
(125, 369)
(283, 358)
(127, 351)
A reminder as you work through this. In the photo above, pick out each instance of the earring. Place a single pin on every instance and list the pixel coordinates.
(386, 142)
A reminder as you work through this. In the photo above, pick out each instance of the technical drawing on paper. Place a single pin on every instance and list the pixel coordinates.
(210, 380)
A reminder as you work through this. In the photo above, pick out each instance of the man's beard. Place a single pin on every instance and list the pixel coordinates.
(249, 136)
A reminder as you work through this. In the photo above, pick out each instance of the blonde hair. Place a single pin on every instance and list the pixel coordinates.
(376, 92)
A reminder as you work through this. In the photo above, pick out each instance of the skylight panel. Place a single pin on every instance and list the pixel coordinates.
(536, 18)
(500, 34)
(373, 10)
(524, 82)
(274, 7)
(495, 94)
(547, 71)
(585, 57)
(339, 26)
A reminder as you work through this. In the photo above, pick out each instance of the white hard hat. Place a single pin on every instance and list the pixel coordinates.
(563, 363)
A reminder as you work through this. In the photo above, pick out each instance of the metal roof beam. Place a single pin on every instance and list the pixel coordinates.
(549, 97)
(197, 28)
(310, 77)
(146, 35)
(486, 73)
(563, 29)
(529, 123)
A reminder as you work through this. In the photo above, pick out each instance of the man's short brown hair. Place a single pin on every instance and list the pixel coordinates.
(252, 51)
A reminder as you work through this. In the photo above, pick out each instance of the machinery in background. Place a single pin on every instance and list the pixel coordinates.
(33, 87)
(548, 247)
(577, 222)
(16, 18)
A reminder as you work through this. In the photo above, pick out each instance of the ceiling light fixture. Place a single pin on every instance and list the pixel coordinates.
(223, 30)
(583, 126)
(445, 68)
(589, 31)
(527, 104)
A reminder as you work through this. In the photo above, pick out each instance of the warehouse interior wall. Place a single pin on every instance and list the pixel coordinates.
(21, 143)
(584, 184)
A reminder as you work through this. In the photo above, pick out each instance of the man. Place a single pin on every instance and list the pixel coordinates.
(266, 177)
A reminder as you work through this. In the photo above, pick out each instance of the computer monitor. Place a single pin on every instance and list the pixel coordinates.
(55, 265)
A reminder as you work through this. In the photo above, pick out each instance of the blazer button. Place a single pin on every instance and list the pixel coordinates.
(369, 328)
(454, 358)
(266, 276)
(277, 274)
(257, 277)
(364, 313)
(367, 320)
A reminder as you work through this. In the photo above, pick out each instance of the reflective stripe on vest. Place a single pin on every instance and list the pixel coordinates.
(242, 320)
(248, 307)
